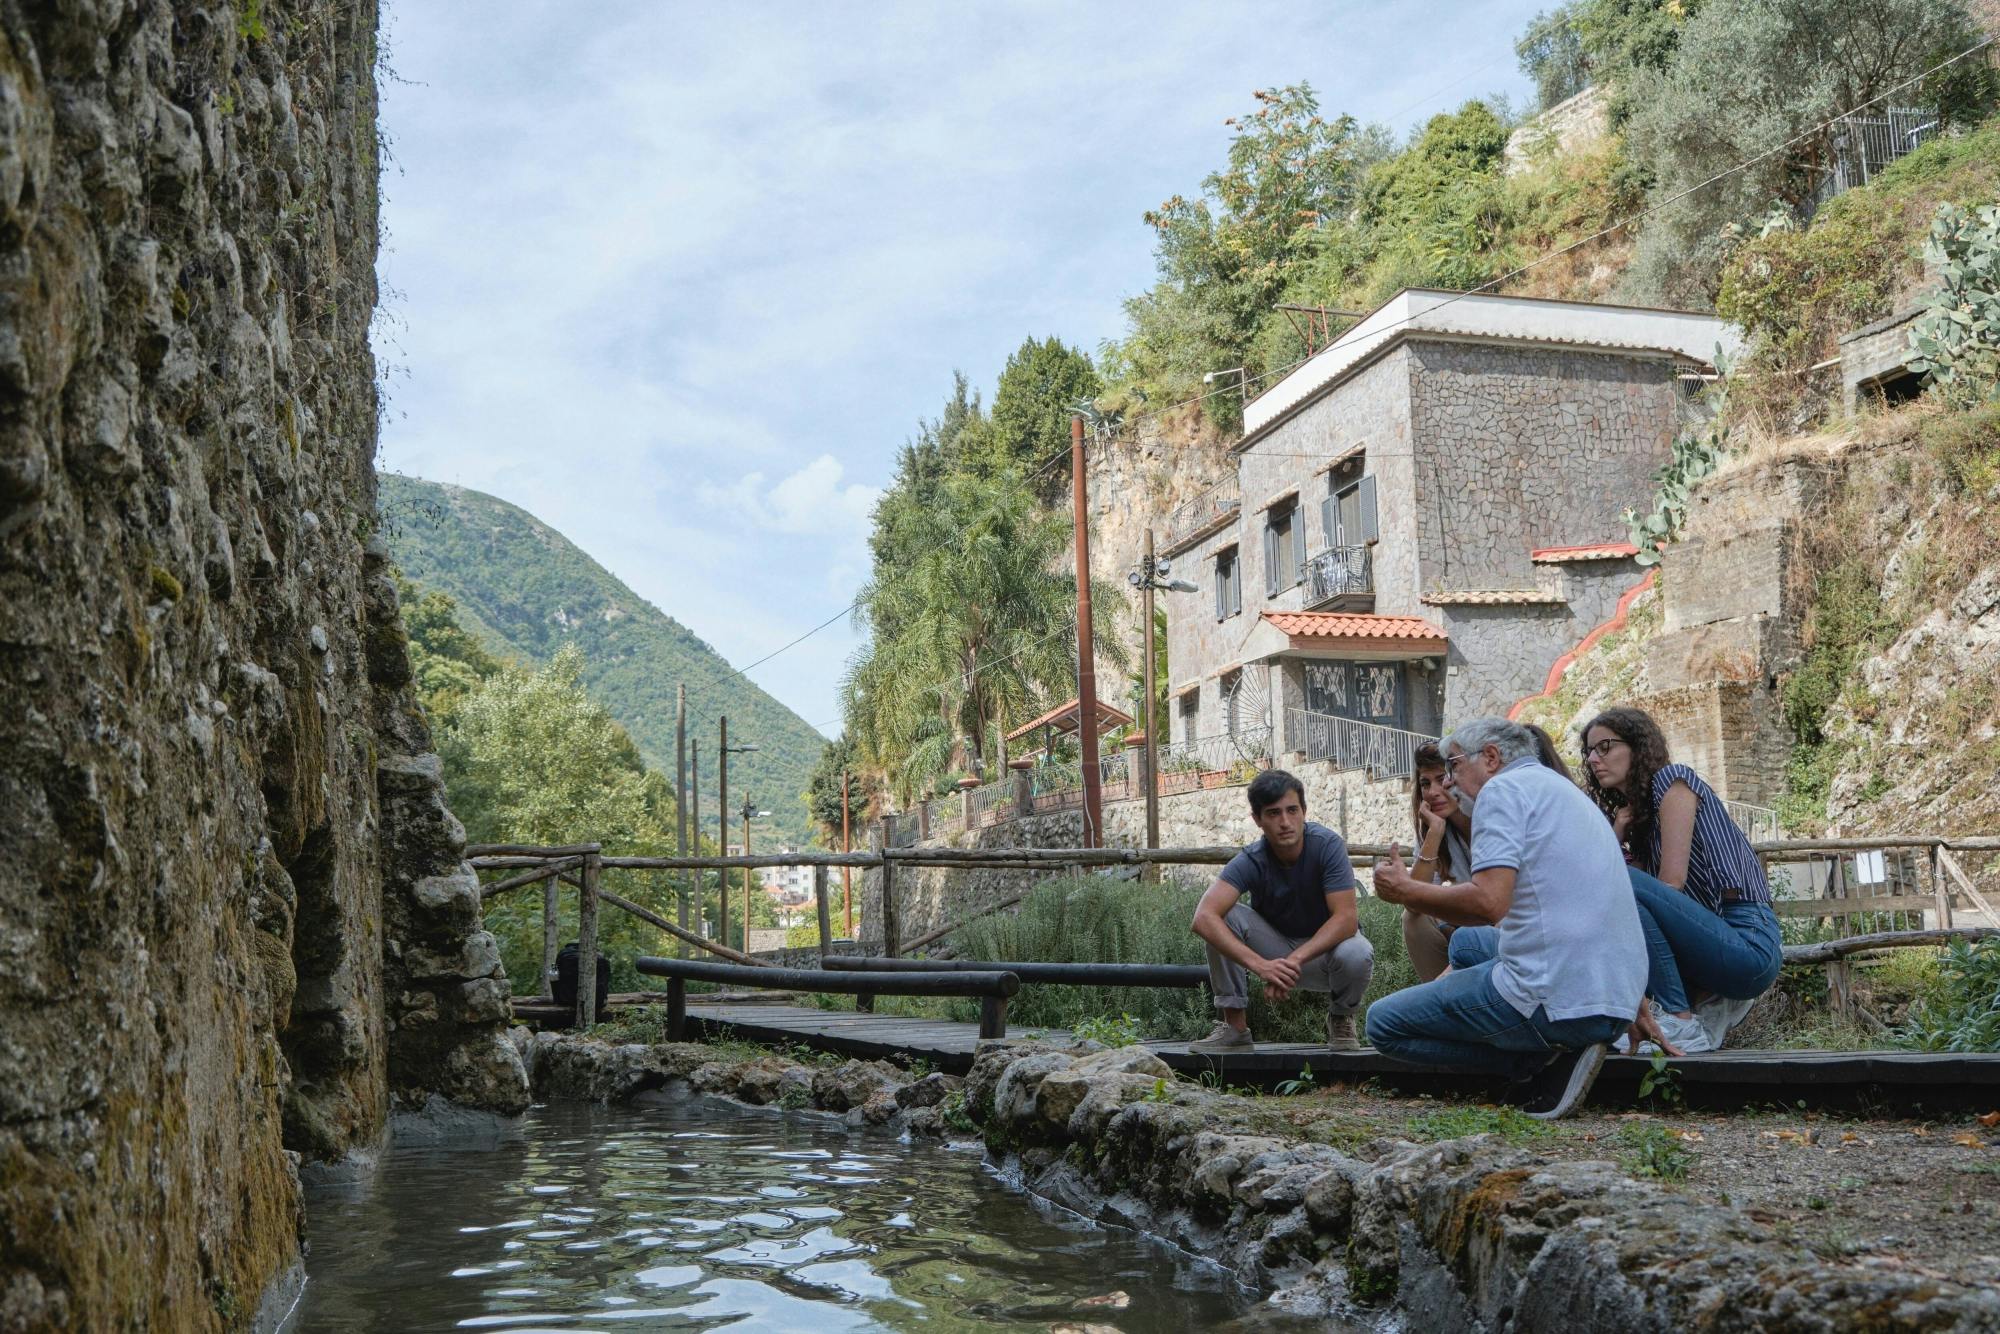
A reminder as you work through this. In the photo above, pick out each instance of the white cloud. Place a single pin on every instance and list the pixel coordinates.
(680, 279)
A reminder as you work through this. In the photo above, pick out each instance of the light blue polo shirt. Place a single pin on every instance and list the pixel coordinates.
(1571, 941)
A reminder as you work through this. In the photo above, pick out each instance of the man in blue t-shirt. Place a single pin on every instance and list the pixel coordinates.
(1297, 930)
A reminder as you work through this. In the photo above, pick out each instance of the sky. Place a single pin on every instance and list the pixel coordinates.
(680, 279)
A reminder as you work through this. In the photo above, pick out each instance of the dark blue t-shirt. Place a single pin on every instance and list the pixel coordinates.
(1293, 898)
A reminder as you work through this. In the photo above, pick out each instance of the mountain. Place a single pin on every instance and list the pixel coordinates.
(526, 590)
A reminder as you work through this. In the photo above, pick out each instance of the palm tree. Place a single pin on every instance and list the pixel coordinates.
(974, 627)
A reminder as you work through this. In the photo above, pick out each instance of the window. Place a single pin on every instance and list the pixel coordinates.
(1191, 716)
(1284, 550)
(1348, 514)
(1228, 585)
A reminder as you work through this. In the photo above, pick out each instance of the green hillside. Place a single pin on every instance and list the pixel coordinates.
(527, 590)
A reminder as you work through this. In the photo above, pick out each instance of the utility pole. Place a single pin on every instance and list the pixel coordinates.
(694, 818)
(681, 798)
(722, 833)
(1151, 724)
(1086, 664)
(846, 872)
(749, 809)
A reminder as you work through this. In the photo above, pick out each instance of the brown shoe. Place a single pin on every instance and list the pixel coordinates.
(1340, 1035)
(1224, 1037)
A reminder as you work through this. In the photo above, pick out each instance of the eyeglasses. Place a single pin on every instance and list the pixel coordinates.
(1451, 763)
(1602, 747)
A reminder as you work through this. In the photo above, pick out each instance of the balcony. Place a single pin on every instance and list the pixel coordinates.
(1343, 575)
(1203, 515)
(1347, 743)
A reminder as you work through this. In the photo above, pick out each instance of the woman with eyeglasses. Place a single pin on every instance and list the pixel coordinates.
(1444, 854)
(1702, 893)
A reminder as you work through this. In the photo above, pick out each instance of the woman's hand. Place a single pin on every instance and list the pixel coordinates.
(1645, 1028)
(1432, 822)
(1621, 823)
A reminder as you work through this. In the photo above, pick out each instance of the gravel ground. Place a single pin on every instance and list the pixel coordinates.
(1916, 1195)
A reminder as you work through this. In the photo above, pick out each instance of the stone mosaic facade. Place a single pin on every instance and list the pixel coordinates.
(1482, 451)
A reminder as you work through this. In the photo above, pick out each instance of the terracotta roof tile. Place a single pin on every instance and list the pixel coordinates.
(1064, 717)
(1601, 551)
(1365, 630)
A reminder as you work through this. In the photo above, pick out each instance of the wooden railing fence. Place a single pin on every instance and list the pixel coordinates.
(1949, 890)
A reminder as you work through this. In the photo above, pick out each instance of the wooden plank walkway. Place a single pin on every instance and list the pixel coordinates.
(1893, 1082)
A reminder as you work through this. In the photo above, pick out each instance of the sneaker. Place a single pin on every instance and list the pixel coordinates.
(1718, 1015)
(1224, 1037)
(1340, 1034)
(1564, 1083)
(1688, 1034)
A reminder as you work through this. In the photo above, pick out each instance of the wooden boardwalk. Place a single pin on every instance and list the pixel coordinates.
(1891, 1082)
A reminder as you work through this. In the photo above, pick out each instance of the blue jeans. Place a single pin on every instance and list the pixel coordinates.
(1735, 953)
(1460, 1021)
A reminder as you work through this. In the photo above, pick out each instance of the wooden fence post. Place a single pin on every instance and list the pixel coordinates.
(819, 902)
(586, 943)
(891, 930)
(551, 928)
(1942, 888)
(1840, 974)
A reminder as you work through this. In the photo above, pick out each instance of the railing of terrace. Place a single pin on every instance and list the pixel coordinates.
(1758, 823)
(992, 804)
(1214, 761)
(1055, 785)
(1224, 498)
(1338, 572)
(1384, 752)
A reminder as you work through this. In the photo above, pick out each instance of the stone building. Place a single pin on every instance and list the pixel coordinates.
(1424, 517)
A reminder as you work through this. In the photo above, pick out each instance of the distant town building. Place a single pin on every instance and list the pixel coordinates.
(1425, 516)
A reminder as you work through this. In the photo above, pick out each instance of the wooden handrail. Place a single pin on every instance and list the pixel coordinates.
(1068, 974)
(992, 988)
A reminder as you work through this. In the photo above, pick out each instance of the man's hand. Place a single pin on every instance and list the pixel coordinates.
(1280, 976)
(1391, 876)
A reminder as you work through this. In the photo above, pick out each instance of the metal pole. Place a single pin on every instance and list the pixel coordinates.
(694, 819)
(722, 834)
(847, 872)
(1151, 724)
(1086, 665)
(586, 943)
(681, 799)
(746, 876)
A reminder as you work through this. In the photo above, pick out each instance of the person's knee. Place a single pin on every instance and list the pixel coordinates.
(1468, 947)
(1385, 1024)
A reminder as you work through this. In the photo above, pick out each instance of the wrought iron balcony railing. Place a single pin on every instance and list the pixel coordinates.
(1210, 507)
(1338, 572)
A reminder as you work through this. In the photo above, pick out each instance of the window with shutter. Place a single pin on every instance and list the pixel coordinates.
(1298, 569)
(1329, 520)
(1271, 559)
(1228, 585)
(1371, 529)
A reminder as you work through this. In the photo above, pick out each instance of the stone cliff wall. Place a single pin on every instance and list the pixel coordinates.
(224, 836)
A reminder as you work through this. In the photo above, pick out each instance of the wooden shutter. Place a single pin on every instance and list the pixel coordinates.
(1270, 557)
(1222, 586)
(1298, 545)
(1371, 528)
(1329, 519)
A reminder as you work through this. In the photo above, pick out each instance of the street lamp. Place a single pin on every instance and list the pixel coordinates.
(1148, 578)
(722, 829)
(749, 813)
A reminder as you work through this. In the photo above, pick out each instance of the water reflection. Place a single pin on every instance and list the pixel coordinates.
(703, 1215)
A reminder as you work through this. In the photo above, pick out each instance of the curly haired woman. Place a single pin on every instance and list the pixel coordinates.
(1701, 890)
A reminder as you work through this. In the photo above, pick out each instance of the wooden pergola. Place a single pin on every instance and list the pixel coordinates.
(1066, 720)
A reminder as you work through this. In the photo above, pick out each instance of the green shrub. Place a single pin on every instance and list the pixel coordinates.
(1100, 920)
(1963, 1014)
(1967, 446)
(1957, 338)
(1119, 1031)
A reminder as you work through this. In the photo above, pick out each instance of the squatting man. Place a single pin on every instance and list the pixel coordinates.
(1283, 908)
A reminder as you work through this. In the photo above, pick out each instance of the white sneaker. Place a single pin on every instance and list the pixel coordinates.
(1688, 1034)
(1718, 1015)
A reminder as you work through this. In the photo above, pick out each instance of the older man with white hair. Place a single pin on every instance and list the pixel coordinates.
(1570, 970)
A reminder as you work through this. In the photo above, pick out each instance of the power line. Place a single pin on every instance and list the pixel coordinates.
(1619, 225)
